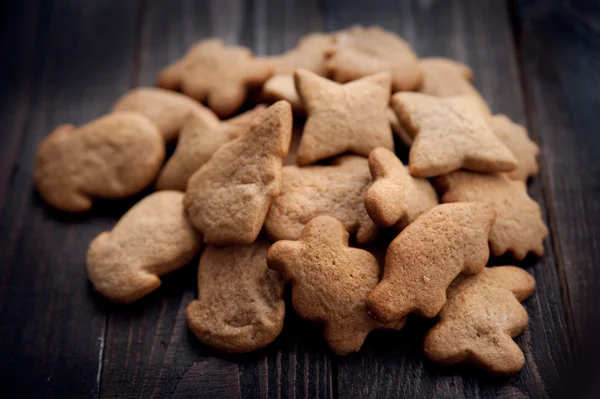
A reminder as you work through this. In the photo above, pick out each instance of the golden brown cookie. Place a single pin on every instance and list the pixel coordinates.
(482, 315)
(427, 255)
(330, 282)
(395, 197)
(337, 190)
(514, 137)
(282, 87)
(449, 133)
(152, 239)
(227, 199)
(360, 51)
(398, 129)
(308, 54)
(112, 157)
(199, 140)
(444, 77)
(240, 306)
(217, 74)
(351, 117)
(167, 109)
(518, 228)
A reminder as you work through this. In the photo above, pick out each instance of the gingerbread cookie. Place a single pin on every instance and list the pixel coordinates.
(350, 117)
(112, 157)
(308, 54)
(444, 77)
(282, 87)
(482, 315)
(168, 110)
(337, 190)
(200, 138)
(514, 137)
(518, 228)
(395, 196)
(152, 239)
(360, 51)
(398, 129)
(227, 199)
(426, 256)
(330, 282)
(449, 133)
(240, 306)
(217, 74)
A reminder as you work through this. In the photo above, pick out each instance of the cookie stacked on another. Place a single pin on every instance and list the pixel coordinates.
(257, 225)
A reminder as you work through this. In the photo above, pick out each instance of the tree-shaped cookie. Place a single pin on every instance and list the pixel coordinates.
(112, 157)
(152, 239)
(518, 228)
(444, 77)
(217, 74)
(330, 282)
(449, 133)
(514, 137)
(427, 255)
(240, 306)
(200, 138)
(350, 117)
(337, 190)
(361, 51)
(167, 109)
(227, 199)
(482, 315)
(395, 197)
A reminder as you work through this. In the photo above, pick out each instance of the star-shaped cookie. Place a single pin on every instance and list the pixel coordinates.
(350, 117)
(519, 227)
(449, 133)
(395, 197)
(330, 282)
(217, 74)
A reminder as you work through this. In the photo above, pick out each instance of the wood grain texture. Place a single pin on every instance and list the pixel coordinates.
(477, 33)
(51, 323)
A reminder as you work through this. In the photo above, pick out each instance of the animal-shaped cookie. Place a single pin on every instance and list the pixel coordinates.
(227, 199)
(395, 197)
(518, 228)
(217, 74)
(350, 117)
(152, 239)
(444, 77)
(112, 157)
(330, 282)
(200, 138)
(449, 133)
(167, 109)
(337, 190)
(514, 137)
(360, 51)
(240, 306)
(482, 315)
(427, 255)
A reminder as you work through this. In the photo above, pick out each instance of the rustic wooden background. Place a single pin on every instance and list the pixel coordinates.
(67, 61)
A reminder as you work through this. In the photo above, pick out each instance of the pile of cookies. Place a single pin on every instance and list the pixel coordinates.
(259, 226)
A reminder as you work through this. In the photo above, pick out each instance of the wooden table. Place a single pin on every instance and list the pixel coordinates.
(67, 61)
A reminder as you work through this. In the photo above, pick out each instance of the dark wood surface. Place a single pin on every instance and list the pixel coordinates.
(67, 61)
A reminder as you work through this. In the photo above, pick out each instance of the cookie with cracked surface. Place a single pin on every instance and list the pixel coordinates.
(395, 197)
(217, 74)
(200, 138)
(227, 199)
(482, 315)
(330, 282)
(519, 227)
(152, 239)
(337, 190)
(112, 157)
(240, 305)
(426, 256)
(167, 109)
(350, 117)
(449, 133)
